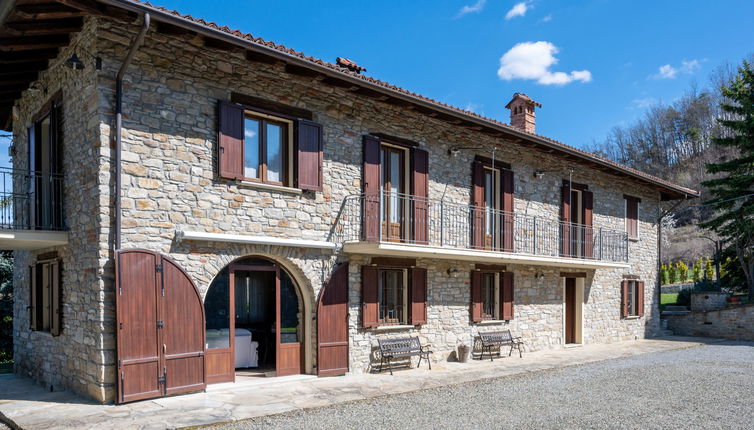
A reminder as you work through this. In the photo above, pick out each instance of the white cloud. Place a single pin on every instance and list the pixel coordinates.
(519, 9)
(532, 60)
(643, 103)
(669, 72)
(547, 18)
(474, 8)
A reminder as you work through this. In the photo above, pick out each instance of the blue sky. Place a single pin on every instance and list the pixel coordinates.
(593, 64)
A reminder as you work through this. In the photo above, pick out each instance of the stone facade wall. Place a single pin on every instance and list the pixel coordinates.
(708, 300)
(731, 323)
(82, 357)
(170, 184)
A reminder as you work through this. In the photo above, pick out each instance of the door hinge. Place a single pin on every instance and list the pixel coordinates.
(158, 268)
(160, 324)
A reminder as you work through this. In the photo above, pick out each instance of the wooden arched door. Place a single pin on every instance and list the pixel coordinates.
(160, 332)
(332, 325)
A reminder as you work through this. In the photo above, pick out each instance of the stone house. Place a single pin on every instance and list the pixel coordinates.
(192, 205)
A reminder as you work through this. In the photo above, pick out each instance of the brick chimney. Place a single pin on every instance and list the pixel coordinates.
(522, 112)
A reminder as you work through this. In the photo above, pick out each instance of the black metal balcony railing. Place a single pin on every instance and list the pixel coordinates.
(31, 200)
(407, 219)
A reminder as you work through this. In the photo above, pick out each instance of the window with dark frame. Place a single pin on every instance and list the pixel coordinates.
(632, 298)
(632, 217)
(490, 296)
(392, 296)
(266, 147)
(45, 302)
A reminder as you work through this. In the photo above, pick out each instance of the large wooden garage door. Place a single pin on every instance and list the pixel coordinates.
(160, 327)
(332, 325)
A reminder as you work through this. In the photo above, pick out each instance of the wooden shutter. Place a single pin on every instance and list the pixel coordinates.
(565, 218)
(309, 155)
(508, 219)
(477, 202)
(587, 216)
(332, 325)
(507, 295)
(369, 297)
(640, 298)
(230, 138)
(420, 193)
(476, 296)
(624, 299)
(33, 297)
(632, 217)
(418, 295)
(56, 301)
(371, 179)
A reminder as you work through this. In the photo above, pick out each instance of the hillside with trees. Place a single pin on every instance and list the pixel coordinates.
(676, 141)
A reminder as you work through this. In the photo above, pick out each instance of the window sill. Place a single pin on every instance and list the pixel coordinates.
(393, 327)
(633, 239)
(490, 322)
(633, 317)
(270, 187)
(42, 333)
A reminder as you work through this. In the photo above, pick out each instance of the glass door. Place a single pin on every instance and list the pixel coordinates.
(393, 162)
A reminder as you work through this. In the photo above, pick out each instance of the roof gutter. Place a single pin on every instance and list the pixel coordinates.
(119, 125)
(245, 43)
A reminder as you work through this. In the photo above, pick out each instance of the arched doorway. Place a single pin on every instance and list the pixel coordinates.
(255, 322)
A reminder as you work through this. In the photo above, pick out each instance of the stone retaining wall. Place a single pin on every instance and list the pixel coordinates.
(735, 322)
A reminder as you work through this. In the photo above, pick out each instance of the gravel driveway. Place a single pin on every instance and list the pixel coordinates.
(707, 387)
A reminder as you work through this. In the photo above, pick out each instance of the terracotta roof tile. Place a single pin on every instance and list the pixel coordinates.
(281, 48)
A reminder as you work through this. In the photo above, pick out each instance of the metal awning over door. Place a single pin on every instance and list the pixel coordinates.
(160, 327)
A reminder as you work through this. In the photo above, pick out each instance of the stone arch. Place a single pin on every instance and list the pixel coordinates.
(302, 282)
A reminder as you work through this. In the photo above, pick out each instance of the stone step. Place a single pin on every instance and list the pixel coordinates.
(676, 308)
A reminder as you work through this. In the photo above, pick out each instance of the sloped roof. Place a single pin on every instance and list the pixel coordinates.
(394, 93)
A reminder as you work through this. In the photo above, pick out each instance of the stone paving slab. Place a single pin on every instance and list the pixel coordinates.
(25, 405)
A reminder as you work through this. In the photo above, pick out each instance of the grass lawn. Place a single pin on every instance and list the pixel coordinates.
(6, 367)
(668, 299)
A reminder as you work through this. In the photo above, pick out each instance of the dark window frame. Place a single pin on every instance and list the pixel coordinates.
(42, 318)
(405, 298)
(287, 128)
(633, 297)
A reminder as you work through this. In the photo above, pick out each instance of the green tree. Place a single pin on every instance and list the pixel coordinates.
(709, 272)
(664, 275)
(6, 306)
(673, 273)
(683, 271)
(697, 271)
(734, 221)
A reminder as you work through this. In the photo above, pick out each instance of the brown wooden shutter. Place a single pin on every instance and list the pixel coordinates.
(624, 299)
(507, 295)
(565, 218)
(230, 140)
(640, 298)
(369, 297)
(418, 295)
(420, 194)
(587, 216)
(508, 218)
(309, 155)
(371, 179)
(476, 296)
(477, 202)
(33, 297)
(632, 217)
(332, 324)
(56, 301)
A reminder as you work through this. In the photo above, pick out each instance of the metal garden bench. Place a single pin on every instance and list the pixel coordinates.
(404, 347)
(496, 339)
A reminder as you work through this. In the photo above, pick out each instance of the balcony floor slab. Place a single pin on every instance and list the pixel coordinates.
(477, 256)
(30, 240)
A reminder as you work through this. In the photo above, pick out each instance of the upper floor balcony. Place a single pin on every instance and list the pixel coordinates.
(406, 226)
(31, 210)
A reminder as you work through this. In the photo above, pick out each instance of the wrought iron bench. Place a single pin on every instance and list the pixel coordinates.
(496, 339)
(405, 347)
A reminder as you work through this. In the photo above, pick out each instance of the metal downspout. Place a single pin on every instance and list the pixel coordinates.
(119, 124)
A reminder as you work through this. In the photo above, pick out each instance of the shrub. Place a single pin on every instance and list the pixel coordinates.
(683, 271)
(664, 275)
(6, 307)
(709, 274)
(673, 273)
(697, 272)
